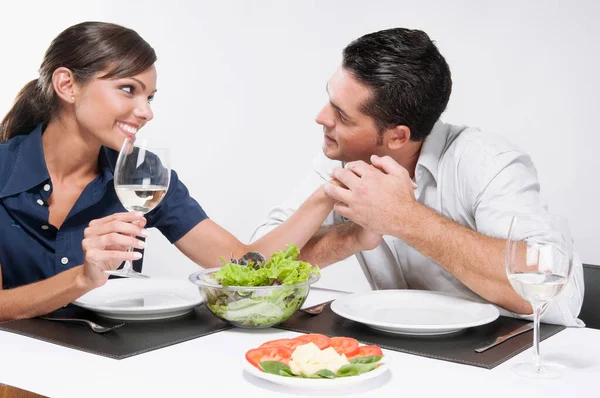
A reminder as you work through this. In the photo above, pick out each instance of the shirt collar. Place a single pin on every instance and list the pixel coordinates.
(432, 149)
(30, 169)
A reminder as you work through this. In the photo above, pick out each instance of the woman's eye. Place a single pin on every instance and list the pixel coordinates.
(150, 98)
(127, 89)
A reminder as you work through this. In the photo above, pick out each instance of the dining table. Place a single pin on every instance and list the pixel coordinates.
(211, 365)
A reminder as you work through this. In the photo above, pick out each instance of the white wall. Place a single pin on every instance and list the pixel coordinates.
(240, 83)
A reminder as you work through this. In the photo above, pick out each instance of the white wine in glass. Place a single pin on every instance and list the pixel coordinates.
(141, 179)
(539, 263)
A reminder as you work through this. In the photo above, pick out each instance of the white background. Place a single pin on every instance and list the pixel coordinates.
(240, 83)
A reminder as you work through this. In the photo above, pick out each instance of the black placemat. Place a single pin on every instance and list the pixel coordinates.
(136, 337)
(458, 347)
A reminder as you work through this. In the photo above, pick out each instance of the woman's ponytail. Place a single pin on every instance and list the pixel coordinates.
(32, 106)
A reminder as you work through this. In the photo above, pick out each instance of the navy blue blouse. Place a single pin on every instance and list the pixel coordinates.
(30, 248)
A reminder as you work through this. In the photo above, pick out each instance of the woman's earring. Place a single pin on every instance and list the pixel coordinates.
(72, 99)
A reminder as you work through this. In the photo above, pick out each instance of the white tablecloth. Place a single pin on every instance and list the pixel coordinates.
(211, 365)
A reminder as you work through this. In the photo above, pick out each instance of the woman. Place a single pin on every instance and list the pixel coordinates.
(61, 224)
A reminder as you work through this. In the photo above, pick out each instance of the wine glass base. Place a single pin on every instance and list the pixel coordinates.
(534, 372)
(127, 273)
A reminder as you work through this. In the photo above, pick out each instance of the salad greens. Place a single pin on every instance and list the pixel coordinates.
(261, 308)
(357, 366)
(282, 269)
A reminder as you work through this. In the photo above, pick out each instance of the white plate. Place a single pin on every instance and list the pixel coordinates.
(315, 384)
(414, 312)
(142, 299)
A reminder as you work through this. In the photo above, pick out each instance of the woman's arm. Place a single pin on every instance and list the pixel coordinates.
(105, 247)
(207, 241)
(42, 297)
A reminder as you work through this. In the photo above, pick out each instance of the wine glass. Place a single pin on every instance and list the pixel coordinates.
(539, 262)
(141, 179)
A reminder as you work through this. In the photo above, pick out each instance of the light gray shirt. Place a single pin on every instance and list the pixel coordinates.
(478, 180)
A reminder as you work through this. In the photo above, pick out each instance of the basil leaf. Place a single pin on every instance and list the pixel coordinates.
(276, 368)
(355, 369)
(325, 374)
(369, 359)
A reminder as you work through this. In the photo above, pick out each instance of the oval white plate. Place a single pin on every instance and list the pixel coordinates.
(414, 312)
(141, 299)
(312, 384)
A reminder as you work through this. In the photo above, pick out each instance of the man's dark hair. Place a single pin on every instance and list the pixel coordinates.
(409, 79)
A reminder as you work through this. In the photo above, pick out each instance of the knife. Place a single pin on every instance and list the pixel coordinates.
(501, 339)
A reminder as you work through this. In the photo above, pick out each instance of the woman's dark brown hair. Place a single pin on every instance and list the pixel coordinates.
(85, 49)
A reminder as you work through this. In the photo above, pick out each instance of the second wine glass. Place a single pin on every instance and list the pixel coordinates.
(141, 180)
(539, 262)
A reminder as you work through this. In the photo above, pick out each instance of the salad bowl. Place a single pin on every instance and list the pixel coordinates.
(252, 306)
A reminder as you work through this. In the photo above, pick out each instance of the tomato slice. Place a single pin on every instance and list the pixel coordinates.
(320, 340)
(367, 351)
(289, 343)
(344, 345)
(262, 354)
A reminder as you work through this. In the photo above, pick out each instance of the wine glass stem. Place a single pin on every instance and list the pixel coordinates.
(537, 312)
(128, 265)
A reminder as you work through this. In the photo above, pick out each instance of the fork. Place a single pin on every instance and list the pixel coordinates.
(315, 309)
(95, 327)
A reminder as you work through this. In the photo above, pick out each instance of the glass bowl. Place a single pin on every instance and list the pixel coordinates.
(253, 307)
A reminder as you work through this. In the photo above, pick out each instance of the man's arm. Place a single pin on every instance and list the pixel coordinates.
(337, 242)
(475, 259)
(383, 202)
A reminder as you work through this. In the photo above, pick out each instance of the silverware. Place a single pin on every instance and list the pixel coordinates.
(315, 309)
(501, 339)
(95, 327)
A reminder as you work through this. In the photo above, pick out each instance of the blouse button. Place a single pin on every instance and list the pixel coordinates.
(40, 202)
(45, 227)
(47, 187)
(64, 260)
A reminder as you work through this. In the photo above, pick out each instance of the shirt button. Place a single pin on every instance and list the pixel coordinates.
(45, 227)
(64, 260)
(40, 202)
(47, 187)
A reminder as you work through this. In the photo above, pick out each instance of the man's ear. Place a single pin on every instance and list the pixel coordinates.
(64, 84)
(396, 137)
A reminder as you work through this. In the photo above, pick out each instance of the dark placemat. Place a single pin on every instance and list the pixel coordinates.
(457, 347)
(136, 337)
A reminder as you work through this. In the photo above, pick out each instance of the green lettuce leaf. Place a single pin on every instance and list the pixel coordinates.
(283, 268)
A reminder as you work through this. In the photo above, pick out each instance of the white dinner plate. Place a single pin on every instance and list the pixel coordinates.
(414, 312)
(318, 384)
(142, 299)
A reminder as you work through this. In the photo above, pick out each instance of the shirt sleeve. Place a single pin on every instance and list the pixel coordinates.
(178, 213)
(507, 184)
(318, 175)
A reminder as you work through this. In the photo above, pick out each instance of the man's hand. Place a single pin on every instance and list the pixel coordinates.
(375, 196)
(366, 239)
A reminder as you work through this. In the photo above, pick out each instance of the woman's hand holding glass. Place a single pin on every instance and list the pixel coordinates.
(107, 242)
(142, 176)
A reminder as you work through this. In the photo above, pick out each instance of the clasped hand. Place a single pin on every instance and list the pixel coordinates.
(376, 196)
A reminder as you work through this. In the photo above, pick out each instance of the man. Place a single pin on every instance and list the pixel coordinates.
(382, 135)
